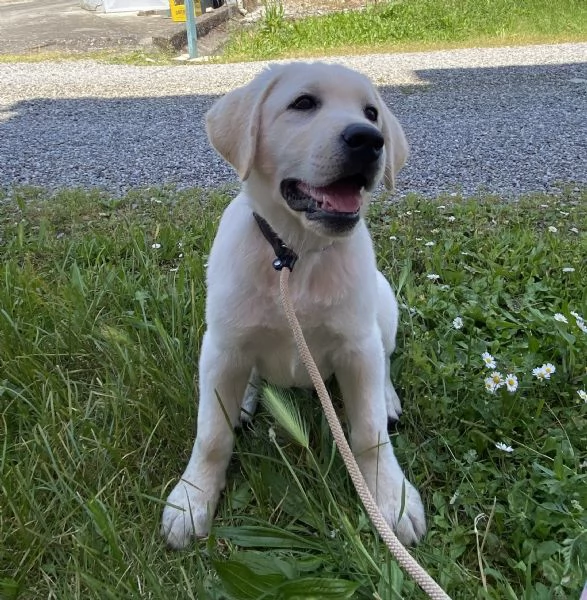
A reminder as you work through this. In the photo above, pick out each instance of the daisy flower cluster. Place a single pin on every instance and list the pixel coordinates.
(496, 380)
(579, 321)
(544, 372)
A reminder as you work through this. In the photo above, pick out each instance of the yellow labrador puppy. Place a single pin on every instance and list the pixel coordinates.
(310, 143)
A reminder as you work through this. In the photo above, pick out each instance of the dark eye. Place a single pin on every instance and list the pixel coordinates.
(304, 102)
(371, 113)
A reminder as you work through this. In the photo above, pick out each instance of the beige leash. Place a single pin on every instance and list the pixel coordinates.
(403, 557)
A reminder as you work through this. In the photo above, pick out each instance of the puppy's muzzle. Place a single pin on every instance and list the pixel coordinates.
(363, 144)
(337, 205)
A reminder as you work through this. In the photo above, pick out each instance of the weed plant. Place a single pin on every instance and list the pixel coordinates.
(410, 25)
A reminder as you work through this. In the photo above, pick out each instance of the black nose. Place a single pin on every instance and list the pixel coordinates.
(364, 142)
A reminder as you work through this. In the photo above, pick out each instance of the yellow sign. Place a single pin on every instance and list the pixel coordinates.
(177, 8)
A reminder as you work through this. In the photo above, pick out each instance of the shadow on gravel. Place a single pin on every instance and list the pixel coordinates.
(505, 130)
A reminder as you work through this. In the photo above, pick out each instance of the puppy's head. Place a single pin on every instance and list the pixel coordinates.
(316, 138)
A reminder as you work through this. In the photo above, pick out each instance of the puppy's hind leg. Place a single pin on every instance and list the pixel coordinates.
(192, 503)
(387, 319)
(251, 397)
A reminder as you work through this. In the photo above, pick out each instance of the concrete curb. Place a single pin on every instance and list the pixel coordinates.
(204, 24)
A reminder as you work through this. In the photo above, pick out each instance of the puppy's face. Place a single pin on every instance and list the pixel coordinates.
(320, 140)
(321, 145)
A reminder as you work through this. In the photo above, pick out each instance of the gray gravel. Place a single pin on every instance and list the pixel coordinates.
(505, 120)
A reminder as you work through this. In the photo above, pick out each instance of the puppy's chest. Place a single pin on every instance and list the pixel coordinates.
(319, 296)
(321, 308)
(262, 310)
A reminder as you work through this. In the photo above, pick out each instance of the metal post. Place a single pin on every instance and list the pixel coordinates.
(191, 28)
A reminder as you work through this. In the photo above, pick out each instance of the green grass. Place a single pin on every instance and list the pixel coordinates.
(407, 25)
(99, 336)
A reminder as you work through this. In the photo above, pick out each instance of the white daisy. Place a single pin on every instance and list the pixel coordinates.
(548, 369)
(574, 230)
(511, 382)
(457, 323)
(451, 219)
(497, 379)
(174, 269)
(429, 244)
(490, 385)
(582, 395)
(568, 270)
(433, 277)
(579, 321)
(560, 318)
(393, 237)
(504, 447)
(539, 373)
(488, 360)
(552, 229)
(156, 246)
(441, 207)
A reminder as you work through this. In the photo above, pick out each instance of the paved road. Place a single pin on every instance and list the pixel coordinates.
(507, 120)
(30, 25)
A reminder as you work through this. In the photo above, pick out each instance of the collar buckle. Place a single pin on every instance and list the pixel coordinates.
(285, 257)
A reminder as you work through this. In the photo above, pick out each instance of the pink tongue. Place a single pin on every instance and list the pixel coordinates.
(341, 196)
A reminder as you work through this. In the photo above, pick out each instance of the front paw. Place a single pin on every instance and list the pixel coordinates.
(409, 525)
(187, 514)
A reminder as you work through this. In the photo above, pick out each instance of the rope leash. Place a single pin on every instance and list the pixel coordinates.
(284, 262)
(403, 557)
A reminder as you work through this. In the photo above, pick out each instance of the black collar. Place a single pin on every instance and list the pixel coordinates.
(286, 257)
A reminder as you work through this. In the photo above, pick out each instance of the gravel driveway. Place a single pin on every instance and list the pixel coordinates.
(505, 120)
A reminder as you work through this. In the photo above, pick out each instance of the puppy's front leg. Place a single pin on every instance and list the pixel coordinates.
(192, 503)
(360, 372)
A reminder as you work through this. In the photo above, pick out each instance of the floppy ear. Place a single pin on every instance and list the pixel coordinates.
(233, 122)
(396, 145)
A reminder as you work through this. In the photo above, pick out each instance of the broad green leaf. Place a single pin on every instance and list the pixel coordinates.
(317, 588)
(264, 563)
(242, 583)
(267, 537)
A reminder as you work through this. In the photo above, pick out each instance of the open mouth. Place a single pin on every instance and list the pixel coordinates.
(341, 198)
